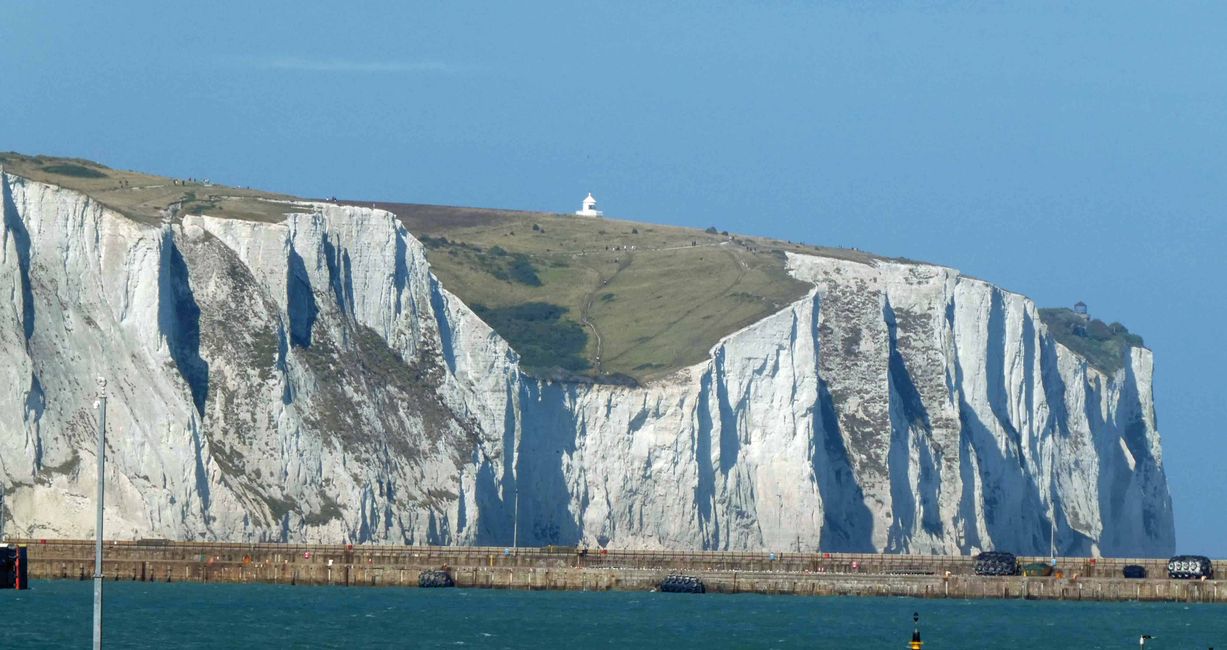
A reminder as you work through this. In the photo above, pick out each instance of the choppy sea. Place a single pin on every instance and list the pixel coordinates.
(58, 614)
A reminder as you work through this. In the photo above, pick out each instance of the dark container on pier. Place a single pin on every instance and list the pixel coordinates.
(996, 563)
(1190, 567)
(435, 580)
(679, 584)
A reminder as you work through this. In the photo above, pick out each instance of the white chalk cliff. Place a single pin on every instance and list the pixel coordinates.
(312, 381)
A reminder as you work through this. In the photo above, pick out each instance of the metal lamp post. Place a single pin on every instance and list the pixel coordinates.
(515, 516)
(102, 428)
(1052, 499)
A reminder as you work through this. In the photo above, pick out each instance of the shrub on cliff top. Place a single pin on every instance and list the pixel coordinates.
(1103, 346)
(77, 171)
(540, 333)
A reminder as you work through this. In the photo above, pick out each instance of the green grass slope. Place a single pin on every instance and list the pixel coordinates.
(610, 300)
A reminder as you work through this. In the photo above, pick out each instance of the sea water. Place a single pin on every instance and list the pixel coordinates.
(58, 614)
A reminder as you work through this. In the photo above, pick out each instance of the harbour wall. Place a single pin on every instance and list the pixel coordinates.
(826, 574)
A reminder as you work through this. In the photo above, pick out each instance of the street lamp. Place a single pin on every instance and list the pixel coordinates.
(102, 428)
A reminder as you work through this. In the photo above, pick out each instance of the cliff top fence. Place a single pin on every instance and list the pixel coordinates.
(546, 557)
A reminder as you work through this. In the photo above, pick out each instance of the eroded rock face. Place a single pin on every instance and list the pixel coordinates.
(311, 381)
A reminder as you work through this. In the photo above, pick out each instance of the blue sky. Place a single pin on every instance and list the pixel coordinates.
(1064, 150)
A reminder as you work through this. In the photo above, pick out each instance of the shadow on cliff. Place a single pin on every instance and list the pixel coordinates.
(1014, 513)
(179, 322)
(35, 398)
(715, 380)
(446, 335)
(340, 276)
(847, 524)
(548, 437)
(301, 307)
(1156, 525)
(1068, 541)
(21, 241)
(1130, 528)
(1015, 517)
(495, 494)
(705, 488)
(910, 424)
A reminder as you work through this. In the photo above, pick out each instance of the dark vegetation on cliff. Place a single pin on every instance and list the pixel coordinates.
(539, 333)
(1103, 345)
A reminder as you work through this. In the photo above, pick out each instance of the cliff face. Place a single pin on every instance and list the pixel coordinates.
(311, 380)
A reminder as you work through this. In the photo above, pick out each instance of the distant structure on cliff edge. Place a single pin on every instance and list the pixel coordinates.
(589, 208)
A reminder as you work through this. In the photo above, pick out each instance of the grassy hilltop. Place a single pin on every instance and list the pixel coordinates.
(145, 197)
(577, 297)
(608, 299)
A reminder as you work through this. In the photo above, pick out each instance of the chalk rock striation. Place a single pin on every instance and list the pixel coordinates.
(311, 381)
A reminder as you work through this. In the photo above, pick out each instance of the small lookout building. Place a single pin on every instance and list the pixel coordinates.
(589, 207)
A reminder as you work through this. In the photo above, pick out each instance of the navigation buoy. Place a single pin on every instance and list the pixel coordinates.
(916, 643)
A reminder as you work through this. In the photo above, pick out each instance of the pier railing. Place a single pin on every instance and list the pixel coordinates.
(925, 576)
(389, 555)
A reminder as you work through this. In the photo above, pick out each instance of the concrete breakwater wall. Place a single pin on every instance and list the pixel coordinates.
(565, 568)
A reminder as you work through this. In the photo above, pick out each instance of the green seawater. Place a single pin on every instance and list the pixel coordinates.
(57, 614)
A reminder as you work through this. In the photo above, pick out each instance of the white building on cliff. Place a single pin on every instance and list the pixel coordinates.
(589, 208)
